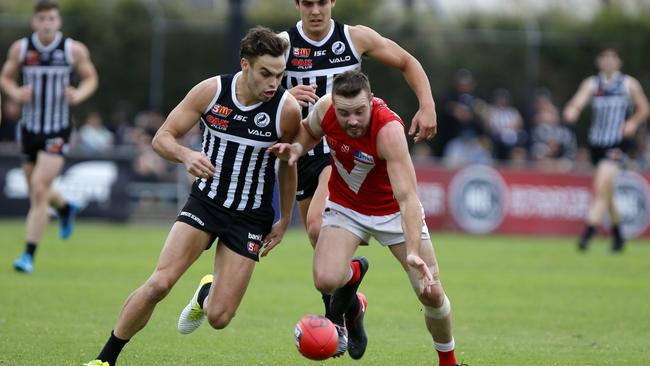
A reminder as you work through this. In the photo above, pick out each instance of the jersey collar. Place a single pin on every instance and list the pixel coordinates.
(233, 95)
(39, 46)
(311, 41)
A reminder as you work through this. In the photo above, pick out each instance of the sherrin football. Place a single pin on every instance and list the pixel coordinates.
(316, 337)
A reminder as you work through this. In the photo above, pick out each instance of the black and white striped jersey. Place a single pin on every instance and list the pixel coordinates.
(235, 139)
(611, 105)
(47, 69)
(312, 62)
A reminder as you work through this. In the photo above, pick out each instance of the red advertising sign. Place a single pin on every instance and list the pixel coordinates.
(481, 199)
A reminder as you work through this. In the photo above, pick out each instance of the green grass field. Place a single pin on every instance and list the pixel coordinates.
(516, 301)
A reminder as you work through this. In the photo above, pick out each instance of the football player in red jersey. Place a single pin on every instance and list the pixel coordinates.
(372, 194)
(320, 49)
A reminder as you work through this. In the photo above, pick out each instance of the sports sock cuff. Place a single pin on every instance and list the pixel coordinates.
(355, 266)
(118, 340)
(112, 349)
(63, 210)
(445, 347)
(30, 248)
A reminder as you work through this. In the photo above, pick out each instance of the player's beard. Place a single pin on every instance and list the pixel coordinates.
(356, 131)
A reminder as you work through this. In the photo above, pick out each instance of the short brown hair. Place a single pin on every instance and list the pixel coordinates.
(45, 5)
(261, 41)
(350, 83)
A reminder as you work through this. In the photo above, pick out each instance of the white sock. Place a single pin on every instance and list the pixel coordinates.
(445, 347)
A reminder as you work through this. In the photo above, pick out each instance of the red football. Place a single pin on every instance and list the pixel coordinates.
(316, 337)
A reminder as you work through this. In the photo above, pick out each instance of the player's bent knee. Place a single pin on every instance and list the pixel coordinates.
(157, 289)
(219, 319)
(439, 312)
(313, 230)
(326, 283)
(39, 192)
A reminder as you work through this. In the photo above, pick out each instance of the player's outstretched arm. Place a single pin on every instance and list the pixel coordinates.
(578, 101)
(87, 75)
(392, 146)
(181, 119)
(304, 94)
(370, 43)
(308, 136)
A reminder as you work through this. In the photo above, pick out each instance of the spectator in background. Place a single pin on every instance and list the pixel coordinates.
(461, 107)
(613, 95)
(149, 166)
(94, 137)
(553, 145)
(643, 149)
(461, 131)
(466, 149)
(194, 138)
(149, 121)
(505, 126)
(10, 118)
(122, 128)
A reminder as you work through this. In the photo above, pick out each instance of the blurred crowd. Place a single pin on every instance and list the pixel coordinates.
(94, 136)
(471, 130)
(474, 130)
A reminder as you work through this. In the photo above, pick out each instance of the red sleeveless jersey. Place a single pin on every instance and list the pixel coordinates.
(359, 179)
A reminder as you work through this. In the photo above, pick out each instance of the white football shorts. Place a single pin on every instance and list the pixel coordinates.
(386, 229)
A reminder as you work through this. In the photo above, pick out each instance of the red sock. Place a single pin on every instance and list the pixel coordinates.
(447, 358)
(356, 272)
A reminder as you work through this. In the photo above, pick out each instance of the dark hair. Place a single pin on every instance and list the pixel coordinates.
(45, 5)
(609, 48)
(261, 41)
(350, 83)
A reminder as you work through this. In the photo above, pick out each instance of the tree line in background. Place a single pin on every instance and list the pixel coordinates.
(553, 51)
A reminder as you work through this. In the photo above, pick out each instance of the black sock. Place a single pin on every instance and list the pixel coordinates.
(112, 349)
(203, 294)
(327, 299)
(353, 310)
(30, 248)
(64, 210)
(343, 297)
(590, 230)
(616, 232)
(341, 301)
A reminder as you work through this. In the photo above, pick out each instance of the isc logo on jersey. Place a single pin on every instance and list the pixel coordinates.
(478, 199)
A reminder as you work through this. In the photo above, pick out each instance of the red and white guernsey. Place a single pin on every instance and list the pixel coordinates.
(359, 179)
